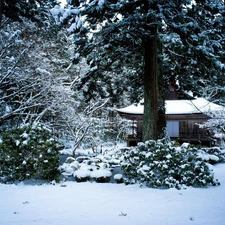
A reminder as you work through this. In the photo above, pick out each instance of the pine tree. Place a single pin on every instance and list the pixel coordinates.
(35, 10)
(120, 41)
(194, 48)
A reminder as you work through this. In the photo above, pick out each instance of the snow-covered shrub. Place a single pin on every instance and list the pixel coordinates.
(28, 153)
(118, 178)
(81, 175)
(100, 167)
(210, 158)
(159, 164)
(216, 154)
(101, 175)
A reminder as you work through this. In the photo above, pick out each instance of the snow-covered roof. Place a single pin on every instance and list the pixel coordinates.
(198, 105)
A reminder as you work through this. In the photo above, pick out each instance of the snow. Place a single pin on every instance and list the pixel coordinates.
(118, 176)
(177, 107)
(76, 25)
(94, 203)
(208, 157)
(101, 3)
(25, 135)
(56, 10)
(82, 173)
(214, 158)
(60, 14)
(17, 142)
(101, 173)
(43, 71)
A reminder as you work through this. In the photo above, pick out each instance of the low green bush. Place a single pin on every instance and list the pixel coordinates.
(159, 164)
(28, 153)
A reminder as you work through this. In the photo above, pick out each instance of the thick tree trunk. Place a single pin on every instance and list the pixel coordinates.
(150, 123)
(162, 97)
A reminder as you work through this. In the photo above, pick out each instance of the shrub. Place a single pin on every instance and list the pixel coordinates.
(215, 152)
(118, 178)
(99, 168)
(28, 153)
(81, 175)
(159, 164)
(101, 175)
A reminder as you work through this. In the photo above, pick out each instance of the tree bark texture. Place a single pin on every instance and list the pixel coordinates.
(150, 123)
(161, 96)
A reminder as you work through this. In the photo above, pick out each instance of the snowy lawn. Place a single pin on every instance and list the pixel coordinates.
(112, 204)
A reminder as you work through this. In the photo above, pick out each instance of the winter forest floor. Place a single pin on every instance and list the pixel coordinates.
(112, 204)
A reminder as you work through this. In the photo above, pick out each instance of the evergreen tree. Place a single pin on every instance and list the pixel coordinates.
(35, 10)
(194, 49)
(123, 42)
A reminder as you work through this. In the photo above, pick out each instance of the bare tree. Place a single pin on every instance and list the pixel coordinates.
(32, 66)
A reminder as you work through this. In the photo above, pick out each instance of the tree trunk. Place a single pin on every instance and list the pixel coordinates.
(150, 123)
(161, 96)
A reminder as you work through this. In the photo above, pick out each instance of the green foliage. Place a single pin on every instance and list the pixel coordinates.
(159, 164)
(190, 47)
(34, 10)
(28, 153)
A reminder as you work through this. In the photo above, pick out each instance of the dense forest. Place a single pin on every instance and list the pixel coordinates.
(65, 69)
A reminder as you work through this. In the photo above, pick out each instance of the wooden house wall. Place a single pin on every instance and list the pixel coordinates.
(189, 130)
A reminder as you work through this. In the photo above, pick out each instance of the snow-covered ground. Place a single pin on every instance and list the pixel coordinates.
(112, 204)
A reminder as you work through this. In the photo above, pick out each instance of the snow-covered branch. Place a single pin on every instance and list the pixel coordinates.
(216, 125)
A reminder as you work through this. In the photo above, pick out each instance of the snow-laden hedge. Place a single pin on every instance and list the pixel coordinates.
(28, 153)
(159, 164)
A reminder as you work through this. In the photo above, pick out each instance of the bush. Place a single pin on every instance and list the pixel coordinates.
(101, 175)
(28, 153)
(118, 178)
(81, 175)
(159, 164)
(100, 167)
(215, 152)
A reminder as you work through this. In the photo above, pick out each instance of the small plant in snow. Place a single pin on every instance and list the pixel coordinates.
(159, 164)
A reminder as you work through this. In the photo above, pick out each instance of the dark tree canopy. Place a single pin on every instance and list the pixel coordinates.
(35, 10)
(117, 34)
(194, 49)
(192, 38)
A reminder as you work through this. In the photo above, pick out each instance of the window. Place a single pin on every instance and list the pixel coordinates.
(172, 128)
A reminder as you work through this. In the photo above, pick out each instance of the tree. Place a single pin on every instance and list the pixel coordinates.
(85, 124)
(125, 40)
(32, 62)
(36, 85)
(34, 10)
(194, 49)
(32, 72)
(216, 125)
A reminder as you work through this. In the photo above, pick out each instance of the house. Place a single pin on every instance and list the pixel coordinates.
(182, 117)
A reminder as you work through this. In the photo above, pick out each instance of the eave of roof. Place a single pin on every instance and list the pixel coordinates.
(198, 105)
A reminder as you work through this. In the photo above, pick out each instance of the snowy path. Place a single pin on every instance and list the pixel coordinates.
(112, 204)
